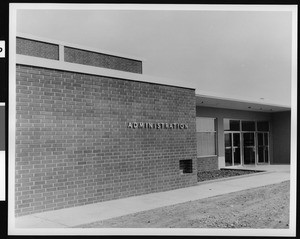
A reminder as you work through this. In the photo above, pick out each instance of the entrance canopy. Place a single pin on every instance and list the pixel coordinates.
(260, 105)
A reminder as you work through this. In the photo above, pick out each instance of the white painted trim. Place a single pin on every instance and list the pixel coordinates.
(12, 120)
(2, 104)
(212, 95)
(294, 120)
(221, 162)
(61, 53)
(73, 67)
(157, 7)
(77, 46)
(208, 156)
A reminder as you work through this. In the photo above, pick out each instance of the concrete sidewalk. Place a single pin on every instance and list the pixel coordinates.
(75, 216)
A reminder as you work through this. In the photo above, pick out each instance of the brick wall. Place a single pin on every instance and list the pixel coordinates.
(73, 146)
(102, 60)
(51, 51)
(207, 163)
(36, 48)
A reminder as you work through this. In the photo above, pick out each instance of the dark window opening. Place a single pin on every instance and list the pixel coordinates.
(231, 125)
(262, 126)
(186, 166)
(248, 125)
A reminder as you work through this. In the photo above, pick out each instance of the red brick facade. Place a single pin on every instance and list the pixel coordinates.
(207, 163)
(102, 60)
(37, 49)
(74, 147)
(73, 55)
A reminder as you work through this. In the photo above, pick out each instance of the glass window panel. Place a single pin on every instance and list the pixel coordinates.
(260, 139)
(228, 140)
(206, 143)
(237, 156)
(205, 124)
(234, 125)
(262, 126)
(206, 136)
(231, 125)
(261, 154)
(226, 124)
(249, 139)
(236, 139)
(228, 157)
(249, 156)
(248, 125)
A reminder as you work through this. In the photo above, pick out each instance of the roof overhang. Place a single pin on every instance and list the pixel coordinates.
(237, 104)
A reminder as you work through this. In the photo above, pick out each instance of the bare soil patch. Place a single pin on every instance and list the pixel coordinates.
(223, 173)
(263, 207)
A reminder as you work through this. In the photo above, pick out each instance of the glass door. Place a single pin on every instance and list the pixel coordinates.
(236, 147)
(232, 149)
(228, 149)
(263, 147)
(249, 148)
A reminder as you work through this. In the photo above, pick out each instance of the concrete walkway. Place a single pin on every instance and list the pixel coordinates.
(75, 216)
(264, 167)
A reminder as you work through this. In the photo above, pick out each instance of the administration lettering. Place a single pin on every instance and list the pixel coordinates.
(142, 125)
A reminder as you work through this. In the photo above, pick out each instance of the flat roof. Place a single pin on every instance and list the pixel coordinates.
(238, 104)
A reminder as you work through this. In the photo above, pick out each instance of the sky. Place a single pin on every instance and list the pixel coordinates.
(240, 54)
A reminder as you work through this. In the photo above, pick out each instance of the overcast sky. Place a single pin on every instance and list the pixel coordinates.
(244, 54)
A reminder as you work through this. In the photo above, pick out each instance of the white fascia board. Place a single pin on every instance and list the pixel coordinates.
(218, 96)
(92, 70)
(157, 7)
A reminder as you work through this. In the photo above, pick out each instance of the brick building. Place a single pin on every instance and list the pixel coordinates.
(91, 127)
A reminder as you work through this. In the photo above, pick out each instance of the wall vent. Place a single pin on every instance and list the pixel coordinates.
(186, 166)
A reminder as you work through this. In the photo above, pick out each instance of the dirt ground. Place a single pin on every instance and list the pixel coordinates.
(222, 173)
(264, 207)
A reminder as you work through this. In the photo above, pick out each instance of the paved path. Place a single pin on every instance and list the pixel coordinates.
(75, 216)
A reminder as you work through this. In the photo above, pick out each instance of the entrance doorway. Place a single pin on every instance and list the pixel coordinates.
(249, 148)
(263, 147)
(232, 149)
(246, 142)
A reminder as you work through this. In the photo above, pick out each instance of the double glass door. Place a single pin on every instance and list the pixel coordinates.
(232, 149)
(246, 148)
(263, 147)
(249, 148)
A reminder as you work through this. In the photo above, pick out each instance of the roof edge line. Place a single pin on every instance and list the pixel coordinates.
(92, 70)
(242, 100)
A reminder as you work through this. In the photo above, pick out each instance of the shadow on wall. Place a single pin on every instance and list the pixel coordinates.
(281, 127)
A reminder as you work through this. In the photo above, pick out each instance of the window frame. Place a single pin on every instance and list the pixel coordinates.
(209, 131)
